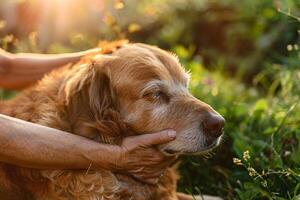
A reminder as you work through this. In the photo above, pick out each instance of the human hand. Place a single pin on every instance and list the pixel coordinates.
(138, 157)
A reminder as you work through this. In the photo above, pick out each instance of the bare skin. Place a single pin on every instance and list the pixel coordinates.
(26, 144)
(18, 71)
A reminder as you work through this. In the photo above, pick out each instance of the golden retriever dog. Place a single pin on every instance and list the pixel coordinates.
(127, 89)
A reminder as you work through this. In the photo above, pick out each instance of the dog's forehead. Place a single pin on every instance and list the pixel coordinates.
(176, 71)
(148, 62)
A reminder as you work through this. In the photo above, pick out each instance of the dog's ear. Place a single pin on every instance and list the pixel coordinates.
(91, 100)
(84, 74)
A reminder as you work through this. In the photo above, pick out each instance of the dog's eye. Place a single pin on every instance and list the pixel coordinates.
(155, 96)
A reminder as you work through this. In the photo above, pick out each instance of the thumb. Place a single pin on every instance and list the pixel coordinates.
(156, 138)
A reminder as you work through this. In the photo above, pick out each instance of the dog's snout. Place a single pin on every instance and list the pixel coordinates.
(213, 125)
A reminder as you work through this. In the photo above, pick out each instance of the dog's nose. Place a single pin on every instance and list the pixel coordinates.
(213, 125)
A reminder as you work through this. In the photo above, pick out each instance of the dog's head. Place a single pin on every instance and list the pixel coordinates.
(148, 88)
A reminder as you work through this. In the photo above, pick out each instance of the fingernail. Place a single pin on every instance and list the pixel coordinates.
(172, 134)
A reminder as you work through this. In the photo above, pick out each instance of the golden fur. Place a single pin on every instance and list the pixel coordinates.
(135, 89)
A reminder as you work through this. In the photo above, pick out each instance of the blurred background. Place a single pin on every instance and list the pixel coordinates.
(244, 59)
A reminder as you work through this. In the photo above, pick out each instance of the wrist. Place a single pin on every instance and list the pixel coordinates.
(103, 156)
(116, 159)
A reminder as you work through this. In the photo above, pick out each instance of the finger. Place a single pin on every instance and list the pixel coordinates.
(159, 159)
(147, 172)
(155, 161)
(169, 162)
(157, 170)
(152, 155)
(155, 138)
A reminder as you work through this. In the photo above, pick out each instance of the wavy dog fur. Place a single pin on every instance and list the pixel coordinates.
(105, 98)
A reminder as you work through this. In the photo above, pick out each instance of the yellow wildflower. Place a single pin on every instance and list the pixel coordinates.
(246, 155)
(237, 161)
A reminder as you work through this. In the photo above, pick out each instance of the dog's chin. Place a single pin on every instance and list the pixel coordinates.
(209, 146)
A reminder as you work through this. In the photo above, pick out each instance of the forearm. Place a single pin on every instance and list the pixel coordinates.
(38, 63)
(30, 145)
(20, 70)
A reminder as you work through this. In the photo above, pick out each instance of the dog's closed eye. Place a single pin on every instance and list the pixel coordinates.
(156, 96)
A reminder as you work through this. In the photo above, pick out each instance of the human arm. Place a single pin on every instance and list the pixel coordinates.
(21, 70)
(31, 145)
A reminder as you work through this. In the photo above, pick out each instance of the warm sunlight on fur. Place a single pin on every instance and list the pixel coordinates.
(129, 89)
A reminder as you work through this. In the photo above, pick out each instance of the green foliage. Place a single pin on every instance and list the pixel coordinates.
(265, 124)
(243, 57)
